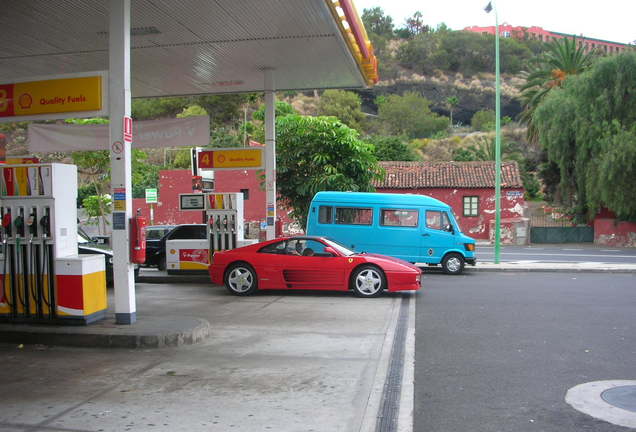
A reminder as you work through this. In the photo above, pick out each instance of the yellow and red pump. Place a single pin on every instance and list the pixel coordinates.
(42, 277)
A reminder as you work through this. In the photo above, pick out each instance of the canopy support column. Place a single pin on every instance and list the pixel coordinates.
(120, 159)
(270, 153)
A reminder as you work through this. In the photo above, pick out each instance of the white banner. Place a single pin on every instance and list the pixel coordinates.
(180, 132)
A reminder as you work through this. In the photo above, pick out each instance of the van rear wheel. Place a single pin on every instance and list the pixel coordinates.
(453, 264)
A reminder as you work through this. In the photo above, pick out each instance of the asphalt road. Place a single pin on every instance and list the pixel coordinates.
(498, 351)
(559, 253)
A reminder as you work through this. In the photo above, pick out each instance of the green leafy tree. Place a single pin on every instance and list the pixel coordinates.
(562, 59)
(282, 109)
(409, 115)
(154, 108)
(345, 105)
(320, 153)
(588, 128)
(256, 128)
(97, 208)
(483, 120)
(461, 51)
(376, 22)
(391, 148)
(192, 111)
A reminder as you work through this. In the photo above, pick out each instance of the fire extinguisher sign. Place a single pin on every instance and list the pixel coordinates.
(128, 129)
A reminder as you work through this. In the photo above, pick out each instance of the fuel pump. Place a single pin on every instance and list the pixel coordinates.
(43, 277)
(223, 230)
(225, 221)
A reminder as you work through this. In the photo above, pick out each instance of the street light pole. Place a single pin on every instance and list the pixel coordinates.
(497, 138)
(497, 144)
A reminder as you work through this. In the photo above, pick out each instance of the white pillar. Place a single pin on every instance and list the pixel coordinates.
(270, 153)
(119, 99)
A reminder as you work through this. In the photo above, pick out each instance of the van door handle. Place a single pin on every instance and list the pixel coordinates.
(426, 235)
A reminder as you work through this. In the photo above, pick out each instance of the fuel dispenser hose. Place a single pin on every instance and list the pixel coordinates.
(5, 249)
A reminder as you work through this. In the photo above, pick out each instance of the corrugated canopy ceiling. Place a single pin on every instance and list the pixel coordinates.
(183, 47)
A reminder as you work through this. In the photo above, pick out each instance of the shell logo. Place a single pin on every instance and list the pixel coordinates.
(221, 158)
(25, 101)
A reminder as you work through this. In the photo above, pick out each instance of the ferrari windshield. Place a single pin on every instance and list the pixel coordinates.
(340, 248)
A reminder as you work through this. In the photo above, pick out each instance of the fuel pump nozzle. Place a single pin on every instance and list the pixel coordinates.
(32, 225)
(45, 224)
(19, 225)
(6, 226)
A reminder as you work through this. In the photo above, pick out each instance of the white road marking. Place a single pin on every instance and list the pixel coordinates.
(572, 249)
(609, 250)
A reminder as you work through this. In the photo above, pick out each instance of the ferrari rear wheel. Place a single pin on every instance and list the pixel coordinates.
(368, 281)
(240, 279)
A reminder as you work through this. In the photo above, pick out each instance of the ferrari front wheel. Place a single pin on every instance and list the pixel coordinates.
(240, 279)
(368, 281)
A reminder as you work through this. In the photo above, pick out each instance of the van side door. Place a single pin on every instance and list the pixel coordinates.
(436, 238)
(398, 234)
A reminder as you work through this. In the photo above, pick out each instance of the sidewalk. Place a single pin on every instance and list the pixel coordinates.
(533, 266)
(277, 361)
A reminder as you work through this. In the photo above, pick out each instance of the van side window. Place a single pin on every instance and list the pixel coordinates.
(436, 219)
(399, 217)
(354, 216)
(324, 214)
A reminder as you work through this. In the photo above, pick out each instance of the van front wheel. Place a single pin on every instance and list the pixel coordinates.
(453, 264)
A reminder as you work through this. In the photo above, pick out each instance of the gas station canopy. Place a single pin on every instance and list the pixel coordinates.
(171, 48)
(193, 46)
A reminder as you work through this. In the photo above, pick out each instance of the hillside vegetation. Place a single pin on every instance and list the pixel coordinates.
(435, 102)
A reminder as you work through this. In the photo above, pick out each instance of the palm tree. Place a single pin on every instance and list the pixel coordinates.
(452, 102)
(562, 59)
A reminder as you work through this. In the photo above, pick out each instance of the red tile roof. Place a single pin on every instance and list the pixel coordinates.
(413, 175)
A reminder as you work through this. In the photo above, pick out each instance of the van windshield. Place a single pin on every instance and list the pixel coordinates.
(453, 219)
(340, 248)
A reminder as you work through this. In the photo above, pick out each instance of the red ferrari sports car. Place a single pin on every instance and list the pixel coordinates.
(313, 263)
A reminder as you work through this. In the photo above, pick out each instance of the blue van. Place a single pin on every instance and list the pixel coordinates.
(415, 228)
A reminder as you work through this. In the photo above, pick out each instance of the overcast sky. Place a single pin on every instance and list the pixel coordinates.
(613, 20)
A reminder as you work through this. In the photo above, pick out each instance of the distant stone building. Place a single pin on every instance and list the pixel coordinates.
(538, 33)
(468, 187)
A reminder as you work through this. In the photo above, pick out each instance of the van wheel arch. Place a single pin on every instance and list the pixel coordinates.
(453, 263)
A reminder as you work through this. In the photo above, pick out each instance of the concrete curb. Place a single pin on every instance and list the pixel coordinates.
(148, 332)
(370, 416)
(553, 267)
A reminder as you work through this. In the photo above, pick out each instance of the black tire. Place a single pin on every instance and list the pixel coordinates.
(161, 263)
(240, 279)
(453, 264)
(367, 281)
